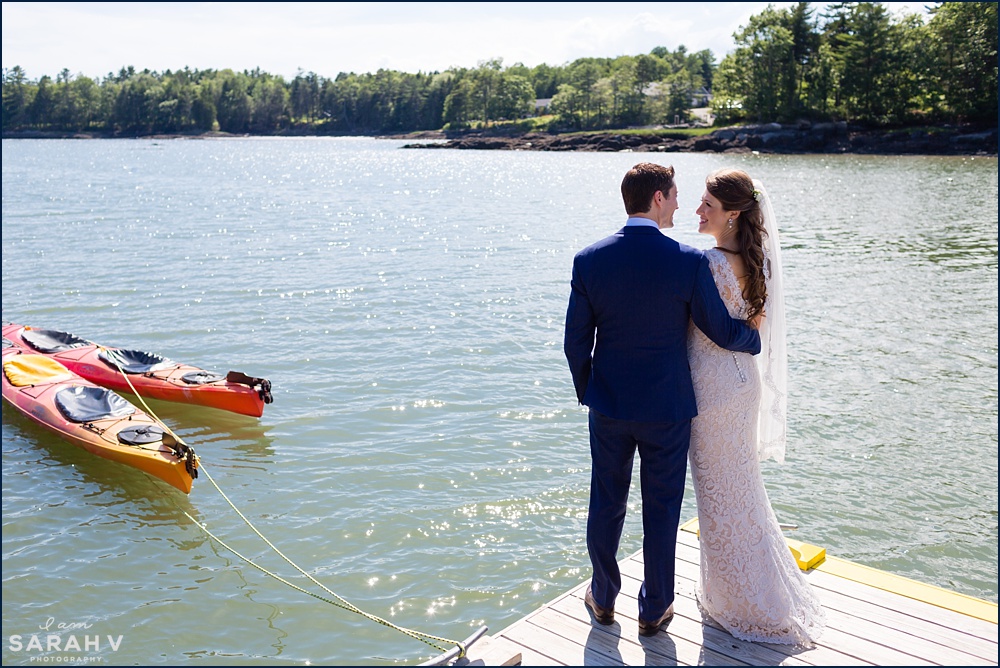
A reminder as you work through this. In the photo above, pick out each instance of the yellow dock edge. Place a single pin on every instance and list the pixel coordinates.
(812, 557)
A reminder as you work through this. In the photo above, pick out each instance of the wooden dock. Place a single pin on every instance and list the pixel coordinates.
(873, 618)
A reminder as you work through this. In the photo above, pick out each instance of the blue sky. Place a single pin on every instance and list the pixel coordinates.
(95, 38)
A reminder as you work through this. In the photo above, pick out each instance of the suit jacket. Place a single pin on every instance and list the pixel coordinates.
(633, 295)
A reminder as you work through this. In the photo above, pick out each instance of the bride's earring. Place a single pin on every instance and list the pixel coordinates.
(730, 223)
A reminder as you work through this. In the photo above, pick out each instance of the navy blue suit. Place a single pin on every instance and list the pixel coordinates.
(633, 295)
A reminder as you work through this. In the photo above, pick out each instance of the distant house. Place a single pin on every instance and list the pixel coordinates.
(542, 105)
(700, 97)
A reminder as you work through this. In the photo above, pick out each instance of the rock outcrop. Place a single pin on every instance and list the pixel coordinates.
(803, 137)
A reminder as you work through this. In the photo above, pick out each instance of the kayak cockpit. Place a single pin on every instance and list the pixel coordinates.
(134, 361)
(52, 341)
(86, 404)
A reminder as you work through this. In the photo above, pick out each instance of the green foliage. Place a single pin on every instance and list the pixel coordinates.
(590, 93)
(860, 63)
(849, 60)
(758, 80)
(18, 98)
(963, 36)
(489, 93)
(659, 87)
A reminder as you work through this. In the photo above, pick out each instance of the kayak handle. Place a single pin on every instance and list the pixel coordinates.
(262, 385)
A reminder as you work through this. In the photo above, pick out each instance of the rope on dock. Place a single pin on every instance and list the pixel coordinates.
(340, 601)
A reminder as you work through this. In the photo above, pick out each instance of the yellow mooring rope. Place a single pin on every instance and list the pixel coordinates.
(425, 638)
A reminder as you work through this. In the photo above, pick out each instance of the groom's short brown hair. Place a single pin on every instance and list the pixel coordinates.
(641, 183)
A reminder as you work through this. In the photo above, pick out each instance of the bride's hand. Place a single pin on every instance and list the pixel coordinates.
(757, 320)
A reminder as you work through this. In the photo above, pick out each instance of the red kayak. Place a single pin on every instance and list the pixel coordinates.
(150, 375)
(92, 417)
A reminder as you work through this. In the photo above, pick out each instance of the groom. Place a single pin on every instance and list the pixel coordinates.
(635, 293)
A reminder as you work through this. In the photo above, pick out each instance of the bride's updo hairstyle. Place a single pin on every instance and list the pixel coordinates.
(734, 190)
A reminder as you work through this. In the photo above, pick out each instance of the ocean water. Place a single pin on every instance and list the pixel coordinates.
(425, 457)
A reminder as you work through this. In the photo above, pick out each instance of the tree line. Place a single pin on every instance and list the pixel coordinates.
(135, 103)
(855, 61)
(850, 60)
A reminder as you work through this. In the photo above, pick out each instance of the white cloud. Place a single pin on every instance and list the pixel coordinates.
(328, 38)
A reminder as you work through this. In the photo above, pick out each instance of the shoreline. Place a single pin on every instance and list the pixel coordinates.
(770, 138)
(801, 138)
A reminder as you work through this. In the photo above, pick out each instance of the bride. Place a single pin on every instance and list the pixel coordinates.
(749, 581)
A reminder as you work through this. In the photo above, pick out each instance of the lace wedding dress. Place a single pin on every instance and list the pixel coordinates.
(750, 583)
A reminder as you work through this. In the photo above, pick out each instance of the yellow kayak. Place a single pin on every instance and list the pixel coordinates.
(93, 418)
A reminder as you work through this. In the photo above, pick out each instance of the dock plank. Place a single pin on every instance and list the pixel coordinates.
(946, 619)
(822, 654)
(492, 651)
(687, 550)
(866, 625)
(875, 643)
(914, 639)
(557, 649)
(692, 641)
(975, 646)
(680, 645)
(612, 644)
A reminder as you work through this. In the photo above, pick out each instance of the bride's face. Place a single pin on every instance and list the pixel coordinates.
(712, 218)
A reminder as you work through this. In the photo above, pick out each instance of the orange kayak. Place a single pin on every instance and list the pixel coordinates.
(93, 418)
(150, 375)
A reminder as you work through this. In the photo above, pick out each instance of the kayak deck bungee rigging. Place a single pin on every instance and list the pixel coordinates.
(92, 417)
(150, 375)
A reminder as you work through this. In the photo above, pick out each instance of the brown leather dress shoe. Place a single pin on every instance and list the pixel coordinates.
(605, 616)
(649, 629)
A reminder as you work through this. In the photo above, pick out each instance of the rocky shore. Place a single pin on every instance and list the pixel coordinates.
(803, 137)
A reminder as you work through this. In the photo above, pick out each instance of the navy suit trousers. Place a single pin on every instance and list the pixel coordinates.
(663, 449)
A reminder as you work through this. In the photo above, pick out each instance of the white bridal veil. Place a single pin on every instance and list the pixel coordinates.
(773, 358)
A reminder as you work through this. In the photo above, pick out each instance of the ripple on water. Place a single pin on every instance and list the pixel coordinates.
(425, 456)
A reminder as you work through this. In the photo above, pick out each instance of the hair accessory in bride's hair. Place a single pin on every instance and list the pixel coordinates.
(758, 195)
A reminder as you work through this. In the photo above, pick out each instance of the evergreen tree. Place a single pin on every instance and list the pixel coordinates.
(964, 43)
(758, 77)
(866, 58)
(41, 112)
(18, 94)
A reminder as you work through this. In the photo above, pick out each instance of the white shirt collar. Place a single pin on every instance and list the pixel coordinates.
(636, 221)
